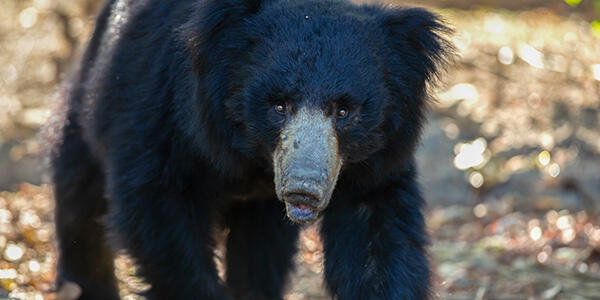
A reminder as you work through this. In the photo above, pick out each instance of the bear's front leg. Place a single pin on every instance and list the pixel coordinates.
(375, 246)
(167, 228)
(260, 249)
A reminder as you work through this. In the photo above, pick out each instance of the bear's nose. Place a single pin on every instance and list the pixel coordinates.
(301, 198)
(303, 191)
(301, 173)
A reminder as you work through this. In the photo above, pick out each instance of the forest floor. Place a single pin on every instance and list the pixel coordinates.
(510, 161)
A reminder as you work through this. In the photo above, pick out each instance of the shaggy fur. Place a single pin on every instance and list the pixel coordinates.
(170, 130)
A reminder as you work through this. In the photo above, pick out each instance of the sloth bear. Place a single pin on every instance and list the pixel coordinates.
(253, 117)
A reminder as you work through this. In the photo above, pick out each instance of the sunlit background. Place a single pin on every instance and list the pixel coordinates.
(510, 160)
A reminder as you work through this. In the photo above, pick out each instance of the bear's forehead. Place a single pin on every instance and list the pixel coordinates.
(319, 22)
(323, 40)
(319, 50)
(307, 75)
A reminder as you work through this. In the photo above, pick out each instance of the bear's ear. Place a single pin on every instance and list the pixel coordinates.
(417, 39)
(212, 26)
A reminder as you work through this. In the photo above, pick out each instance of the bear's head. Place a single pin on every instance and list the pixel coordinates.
(313, 88)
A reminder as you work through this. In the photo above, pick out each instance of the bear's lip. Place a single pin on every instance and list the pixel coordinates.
(300, 208)
(301, 213)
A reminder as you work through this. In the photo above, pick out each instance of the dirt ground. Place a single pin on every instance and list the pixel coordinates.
(510, 161)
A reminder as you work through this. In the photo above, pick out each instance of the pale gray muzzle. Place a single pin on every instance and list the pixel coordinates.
(306, 164)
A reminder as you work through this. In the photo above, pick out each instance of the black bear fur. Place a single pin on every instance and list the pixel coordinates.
(169, 131)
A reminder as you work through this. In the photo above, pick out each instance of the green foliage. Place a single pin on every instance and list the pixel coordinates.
(596, 28)
(573, 3)
(595, 25)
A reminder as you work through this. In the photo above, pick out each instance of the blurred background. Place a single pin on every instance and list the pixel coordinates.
(509, 162)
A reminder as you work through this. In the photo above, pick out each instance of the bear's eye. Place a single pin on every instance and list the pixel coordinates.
(279, 108)
(342, 113)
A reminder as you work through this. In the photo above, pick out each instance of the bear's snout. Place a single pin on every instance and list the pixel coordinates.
(306, 164)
